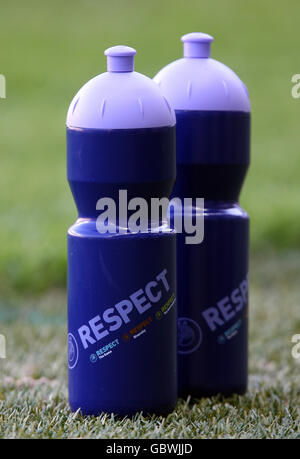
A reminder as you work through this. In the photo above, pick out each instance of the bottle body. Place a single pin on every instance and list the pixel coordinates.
(213, 305)
(212, 161)
(121, 286)
(118, 287)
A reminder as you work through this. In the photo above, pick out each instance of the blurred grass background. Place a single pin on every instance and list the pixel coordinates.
(49, 49)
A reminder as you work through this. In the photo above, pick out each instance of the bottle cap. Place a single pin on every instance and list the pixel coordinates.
(120, 98)
(198, 82)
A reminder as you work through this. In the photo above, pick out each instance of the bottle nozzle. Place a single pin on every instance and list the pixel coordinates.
(120, 59)
(196, 44)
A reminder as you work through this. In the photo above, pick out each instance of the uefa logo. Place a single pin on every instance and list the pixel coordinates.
(189, 335)
(72, 351)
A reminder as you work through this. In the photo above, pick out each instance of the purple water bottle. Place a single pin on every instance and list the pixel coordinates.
(213, 137)
(121, 284)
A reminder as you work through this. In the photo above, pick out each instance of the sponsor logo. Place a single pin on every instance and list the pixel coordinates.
(189, 335)
(72, 351)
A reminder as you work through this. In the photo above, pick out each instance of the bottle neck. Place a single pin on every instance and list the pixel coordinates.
(213, 149)
(102, 162)
(213, 182)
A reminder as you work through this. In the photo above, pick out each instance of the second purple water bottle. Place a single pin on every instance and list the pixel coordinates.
(213, 132)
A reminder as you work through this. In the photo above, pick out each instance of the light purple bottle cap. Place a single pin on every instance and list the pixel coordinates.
(196, 44)
(198, 82)
(120, 98)
(120, 58)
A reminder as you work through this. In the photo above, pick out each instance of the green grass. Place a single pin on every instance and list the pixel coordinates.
(33, 384)
(49, 49)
